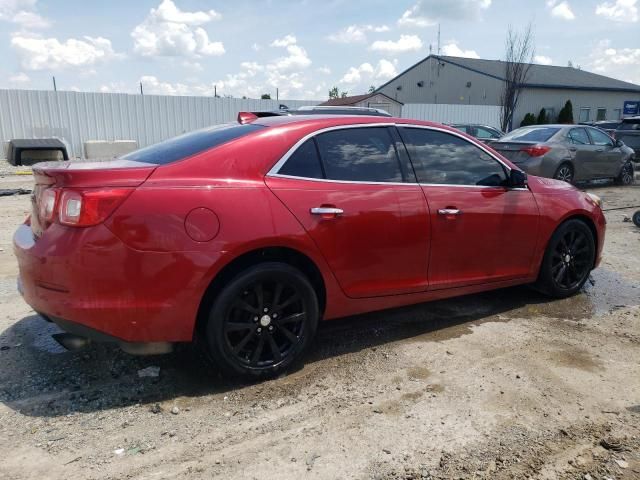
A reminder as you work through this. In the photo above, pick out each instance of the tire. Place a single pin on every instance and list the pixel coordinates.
(636, 218)
(564, 172)
(568, 260)
(626, 175)
(246, 336)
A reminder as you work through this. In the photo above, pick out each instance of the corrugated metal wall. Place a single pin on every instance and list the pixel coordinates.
(443, 113)
(77, 117)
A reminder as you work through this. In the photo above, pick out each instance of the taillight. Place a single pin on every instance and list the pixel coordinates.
(536, 150)
(84, 208)
(48, 202)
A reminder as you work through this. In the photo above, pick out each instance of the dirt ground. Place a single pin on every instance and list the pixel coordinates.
(501, 385)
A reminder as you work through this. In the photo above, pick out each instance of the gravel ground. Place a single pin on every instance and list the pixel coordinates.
(500, 385)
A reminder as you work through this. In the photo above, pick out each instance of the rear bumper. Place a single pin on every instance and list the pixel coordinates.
(89, 278)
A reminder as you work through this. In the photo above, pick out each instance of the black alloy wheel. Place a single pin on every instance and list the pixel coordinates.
(568, 260)
(262, 321)
(626, 175)
(564, 173)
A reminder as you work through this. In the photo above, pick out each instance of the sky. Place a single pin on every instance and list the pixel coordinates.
(302, 48)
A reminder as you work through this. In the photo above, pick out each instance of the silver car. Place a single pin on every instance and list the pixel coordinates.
(572, 153)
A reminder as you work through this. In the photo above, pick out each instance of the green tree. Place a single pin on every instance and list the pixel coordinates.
(542, 117)
(266, 96)
(566, 113)
(335, 93)
(372, 89)
(529, 119)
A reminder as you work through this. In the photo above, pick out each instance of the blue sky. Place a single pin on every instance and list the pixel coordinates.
(246, 48)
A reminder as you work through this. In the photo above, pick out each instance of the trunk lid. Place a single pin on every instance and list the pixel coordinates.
(513, 150)
(113, 173)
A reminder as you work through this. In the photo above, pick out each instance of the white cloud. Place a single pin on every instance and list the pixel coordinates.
(406, 43)
(168, 31)
(22, 13)
(542, 60)
(356, 33)
(324, 70)
(151, 85)
(19, 78)
(620, 10)
(284, 41)
(453, 50)
(256, 47)
(561, 10)
(51, 54)
(622, 63)
(366, 72)
(429, 12)
(297, 56)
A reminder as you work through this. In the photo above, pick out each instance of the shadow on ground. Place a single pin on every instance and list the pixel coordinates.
(40, 378)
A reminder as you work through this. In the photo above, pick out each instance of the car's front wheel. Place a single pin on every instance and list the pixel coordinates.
(626, 174)
(262, 321)
(568, 260)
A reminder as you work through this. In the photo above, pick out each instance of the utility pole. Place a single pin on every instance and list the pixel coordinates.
(438, 39)
(55, 89)
(141, 91)
(215, 91)
(277, 94)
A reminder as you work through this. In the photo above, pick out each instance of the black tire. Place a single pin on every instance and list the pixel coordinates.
(564, 172)
(626, 175)
(568, 260)
(262, 321)
(636, 218)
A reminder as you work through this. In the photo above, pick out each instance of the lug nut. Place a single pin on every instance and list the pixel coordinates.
(266, 309)
(271, 328)
(274, 315)
(259, 329)
(255, 319)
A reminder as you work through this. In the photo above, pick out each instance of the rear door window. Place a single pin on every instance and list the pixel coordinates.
(365, 154)
(304, 162)
(191, 143)
(579, 136)
(445, 159)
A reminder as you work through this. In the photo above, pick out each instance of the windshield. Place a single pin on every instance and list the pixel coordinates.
(191, 143)
(531, 134)
(630, 125)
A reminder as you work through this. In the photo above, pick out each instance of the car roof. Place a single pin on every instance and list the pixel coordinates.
(331, 120)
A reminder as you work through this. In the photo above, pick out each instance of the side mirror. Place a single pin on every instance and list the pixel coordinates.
(517, 179)
(619, 143)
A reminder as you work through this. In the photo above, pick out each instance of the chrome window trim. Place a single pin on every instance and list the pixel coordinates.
(273, 172)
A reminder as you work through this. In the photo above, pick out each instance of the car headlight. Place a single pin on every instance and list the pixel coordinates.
(594, 199)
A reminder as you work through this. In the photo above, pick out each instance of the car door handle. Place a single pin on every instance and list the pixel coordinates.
(572, 149)
(326, 211)
(449, 211)
(599, 149)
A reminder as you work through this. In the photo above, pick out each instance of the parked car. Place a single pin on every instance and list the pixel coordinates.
(484, 133)
(242, 237)
(571, 153)
(608, 126)
(628, 132)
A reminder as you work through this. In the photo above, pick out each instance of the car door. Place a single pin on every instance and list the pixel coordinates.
(609, 157)
(482, 231)
(360, 203)
(585, 158)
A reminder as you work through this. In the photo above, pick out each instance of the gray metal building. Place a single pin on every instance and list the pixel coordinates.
(456, 80)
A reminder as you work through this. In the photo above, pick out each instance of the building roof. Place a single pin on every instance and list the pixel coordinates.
(540, 76)
(352, 100)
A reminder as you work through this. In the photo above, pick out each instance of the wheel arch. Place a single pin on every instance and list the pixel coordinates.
(287, 255)
(584, 219)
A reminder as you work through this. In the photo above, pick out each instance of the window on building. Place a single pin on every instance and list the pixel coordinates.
(601, 114)
(584, 114)
(617, 114)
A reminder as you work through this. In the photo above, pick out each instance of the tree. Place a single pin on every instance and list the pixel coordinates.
(566, 113)
(372, 89)
(266, 96)
(542, 117)
(335, 93)
(529, 119)
(519, 51)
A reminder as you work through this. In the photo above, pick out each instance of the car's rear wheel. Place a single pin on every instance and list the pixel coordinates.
(564, 173)
(626, 175)
(262, 321)
(568, 260)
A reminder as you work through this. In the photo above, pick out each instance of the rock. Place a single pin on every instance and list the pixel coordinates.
(175, 410)
(587, 477)
(119, 451)
(149, 372)
(387, 451)
(626, 218)
(621, 463)
(156, 408)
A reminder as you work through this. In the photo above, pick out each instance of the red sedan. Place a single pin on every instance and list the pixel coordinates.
(245, 235)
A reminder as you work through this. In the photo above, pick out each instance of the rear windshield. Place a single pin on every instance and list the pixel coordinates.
(629, 125)
(538, 134)
(191, 143)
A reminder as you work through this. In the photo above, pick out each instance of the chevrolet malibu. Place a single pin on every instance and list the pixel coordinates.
(242, 237)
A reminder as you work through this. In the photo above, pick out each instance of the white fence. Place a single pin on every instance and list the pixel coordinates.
(78, 117)
(443, 113)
